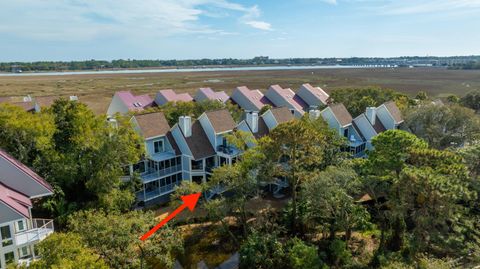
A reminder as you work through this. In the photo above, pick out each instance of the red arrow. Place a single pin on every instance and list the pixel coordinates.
(188, 201)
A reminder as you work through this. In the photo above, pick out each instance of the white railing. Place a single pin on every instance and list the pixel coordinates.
(40, 229)
(160, 173)
(162, 190)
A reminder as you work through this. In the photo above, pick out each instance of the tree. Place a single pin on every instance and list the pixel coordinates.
(296, 151)
(87, 159)
(264, 109)
(471, 155)
(391, 150)
(357, 100)
(303, 256)
(173, 111)
(116, 238)
(421, 95)
(66, 250)
(330, 201)
(425, 192)
(453, 99)
(262, 251)
(471, 100)
(239, 180)
(25, 135)
(443, 126)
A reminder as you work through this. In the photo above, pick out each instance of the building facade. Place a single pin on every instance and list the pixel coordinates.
(19, 231)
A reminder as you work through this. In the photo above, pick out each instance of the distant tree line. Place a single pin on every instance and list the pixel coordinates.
(453, 62)
(467, 66)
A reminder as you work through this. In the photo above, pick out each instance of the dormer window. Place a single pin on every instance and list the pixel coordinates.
(158, 146)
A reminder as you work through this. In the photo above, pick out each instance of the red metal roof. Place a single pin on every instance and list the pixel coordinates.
(212, 95)
(25, 170)
(172, 96)
(317, 92)
(290, 97)
(255, 96)
(15, 200)
(135, 103)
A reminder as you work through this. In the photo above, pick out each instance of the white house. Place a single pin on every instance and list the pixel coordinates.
(313, 96)
(19, 231)
(209, 94)
(369, 125)
(124, 102)
(339, 119)
(198, 155)
(169, 96)
(286, 97)
(161, 168)
(249, 100)
(260, 126)
(389, 115)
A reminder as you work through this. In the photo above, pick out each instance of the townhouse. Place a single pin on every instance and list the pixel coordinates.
(34, 104)
(209, 94)
(19, 231)
(165, 96)
(160, 169)
(249, 100)
(204, 142)
(315, 97)
(339, 119)
(363, 128)
(286, 97)
(192, 148)
(378, 119)
(262, 125)
(124, 102)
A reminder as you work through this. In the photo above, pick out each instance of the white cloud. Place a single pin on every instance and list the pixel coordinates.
(406, 7)
(77, 20)
(260, 25)
(333, 2)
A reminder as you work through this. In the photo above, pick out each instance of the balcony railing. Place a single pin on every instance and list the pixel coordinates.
(145, 196)
(226, 149)
(41, 228)
(160, 173)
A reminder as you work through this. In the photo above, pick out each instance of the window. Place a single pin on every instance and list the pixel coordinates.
(21, 225)
(6, 236)
(9, 257)
(23, 252)
(139, 167)
(157, 146)
(345, 132)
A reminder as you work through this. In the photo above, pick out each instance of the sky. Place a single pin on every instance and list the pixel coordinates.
(32, 30)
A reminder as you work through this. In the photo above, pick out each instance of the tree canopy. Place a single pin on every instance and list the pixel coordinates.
(357, 100)
(443, 126)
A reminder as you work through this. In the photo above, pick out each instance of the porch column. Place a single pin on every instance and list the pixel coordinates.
(144, 195)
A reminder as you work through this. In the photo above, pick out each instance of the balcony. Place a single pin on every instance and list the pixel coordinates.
(162, 190)
(41, 228)
(162, 156)
(228, 150)
(147, 177)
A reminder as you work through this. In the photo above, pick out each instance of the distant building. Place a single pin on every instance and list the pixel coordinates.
(249, 100)
(165, 96)
(209, 94)
(286, 97)
(313, 96)
(124, 102)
